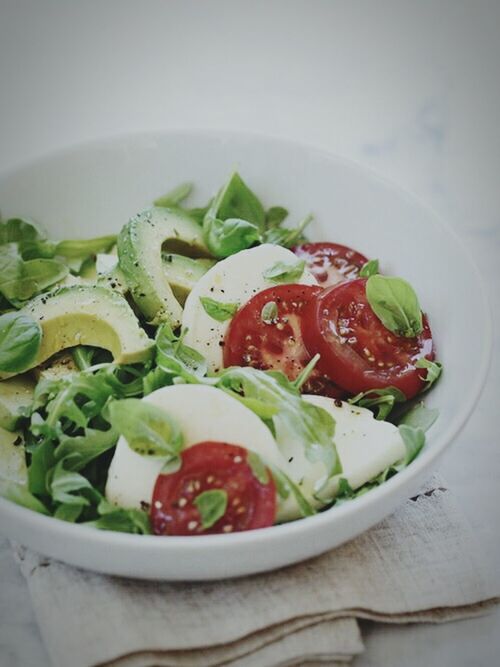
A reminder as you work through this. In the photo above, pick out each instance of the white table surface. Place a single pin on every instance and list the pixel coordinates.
(411, 89)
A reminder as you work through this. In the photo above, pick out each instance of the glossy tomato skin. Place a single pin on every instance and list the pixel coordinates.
(207, 466)
(356, 350)
(276, 344)
(331, 263)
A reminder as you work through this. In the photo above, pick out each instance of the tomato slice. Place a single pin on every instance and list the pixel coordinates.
(208, 466)
(356, 350)
(330, 263)
(275, 344)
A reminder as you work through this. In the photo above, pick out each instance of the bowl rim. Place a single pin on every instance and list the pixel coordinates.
(185, 544)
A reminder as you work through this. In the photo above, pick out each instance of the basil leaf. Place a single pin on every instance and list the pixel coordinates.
(82, 248)
(259, 470)
(414, 440)
(292, 417)
(269, 312)
(287, 237)
(176, 359)
(382, 400)
(395, 303)
(123, 521)
(77, 451)
(19, 229)
(68, 513)
(211, 505)
(285, 272)
(19, 494)
(175, 196)
(236, 200)
(148, 429)
(419, 417)
(369, 268)
(434, 370)
(227, 237)
(64, 482)
(275, 216)
(217, 310)
(20, 339)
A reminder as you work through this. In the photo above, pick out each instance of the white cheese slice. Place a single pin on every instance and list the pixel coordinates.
(203, 413)
(233, 280)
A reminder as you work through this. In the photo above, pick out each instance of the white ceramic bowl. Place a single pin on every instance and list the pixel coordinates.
(93, 189)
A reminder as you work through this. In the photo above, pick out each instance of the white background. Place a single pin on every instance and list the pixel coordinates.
(410, 89)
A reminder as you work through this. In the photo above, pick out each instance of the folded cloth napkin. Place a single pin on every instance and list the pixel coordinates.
(419, 565)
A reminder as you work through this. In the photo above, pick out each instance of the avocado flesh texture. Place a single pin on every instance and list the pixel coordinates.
(12, 458)
(15, 394)
(183, 273)
(88, 315)
(140, 245)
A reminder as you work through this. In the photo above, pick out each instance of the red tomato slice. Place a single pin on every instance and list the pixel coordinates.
(330, 263)
(356, 350)
(207, 466)
(275, 344)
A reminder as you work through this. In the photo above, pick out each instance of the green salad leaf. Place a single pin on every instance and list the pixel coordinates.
(285, 272)
(211, 505)
(148, 430)
(20, 339)
(83, 248)
(174, 359)
(19, 494)
(16, 230)
(218, 310)
(434, 370)
(394, 302)
(227, 237)
(286, 236)
(174, 197)
(382, 400)
(369, 268)
(275, 216)
(236, 200)
(414, 440)
(286, 412)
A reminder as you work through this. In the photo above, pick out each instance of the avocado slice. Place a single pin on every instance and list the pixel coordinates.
(183, 273)
(15, 395)
(140, 245)
(88, 315)
(12, 458)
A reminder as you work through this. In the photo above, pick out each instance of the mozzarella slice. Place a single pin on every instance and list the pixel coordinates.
(233, 280)
(203, 413)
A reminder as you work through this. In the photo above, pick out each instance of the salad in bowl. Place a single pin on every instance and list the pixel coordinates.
(206, 370)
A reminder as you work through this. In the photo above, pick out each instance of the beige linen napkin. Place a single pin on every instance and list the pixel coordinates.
(419, 565)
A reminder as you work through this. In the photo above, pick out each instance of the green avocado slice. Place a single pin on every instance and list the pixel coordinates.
(88, 315)
(15, 395)
(140, 246)
(183, 273)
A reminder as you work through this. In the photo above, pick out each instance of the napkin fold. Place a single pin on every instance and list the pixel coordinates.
(422, 564)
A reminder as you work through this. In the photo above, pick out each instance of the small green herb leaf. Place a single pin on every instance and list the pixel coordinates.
(395, 303)
(368, 269)
(269, 312)
(211, 505)
(227, 237)
(382, 400)
(260, 472)
(65, 482)
(285, 272)
(414, 440)
(217, 310)
(236, 200)
(81, 248)
(148, 429)
(175, 196)
(434, 370)
(287, 237)
(20, 339)
(275, 216)
(419, 417)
